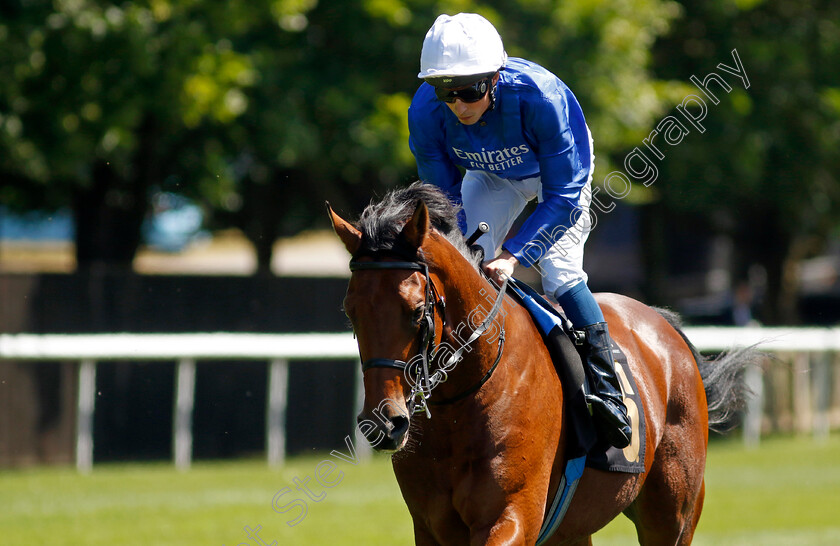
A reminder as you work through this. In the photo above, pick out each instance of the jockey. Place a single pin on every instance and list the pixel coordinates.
(518, 132)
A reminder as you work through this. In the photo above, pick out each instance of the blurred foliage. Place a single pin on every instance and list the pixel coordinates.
(766, 171)
(263, 109)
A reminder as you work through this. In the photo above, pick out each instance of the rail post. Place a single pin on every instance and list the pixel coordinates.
(184, 402)
(84, 415)
(278, 380)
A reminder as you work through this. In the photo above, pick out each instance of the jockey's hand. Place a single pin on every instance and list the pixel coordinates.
(502, 267)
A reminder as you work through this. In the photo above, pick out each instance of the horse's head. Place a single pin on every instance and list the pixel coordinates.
(388, 304)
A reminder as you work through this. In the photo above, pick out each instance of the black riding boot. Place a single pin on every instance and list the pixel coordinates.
(606, 400)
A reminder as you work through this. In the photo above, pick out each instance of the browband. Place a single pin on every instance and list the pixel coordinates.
(356, 266)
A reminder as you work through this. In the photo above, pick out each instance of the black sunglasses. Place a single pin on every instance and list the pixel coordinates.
(472, 93)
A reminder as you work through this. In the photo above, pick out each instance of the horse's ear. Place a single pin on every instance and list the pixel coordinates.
(417, 227)
(350, 236)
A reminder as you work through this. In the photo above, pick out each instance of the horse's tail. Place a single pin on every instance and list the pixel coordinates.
(723, 378)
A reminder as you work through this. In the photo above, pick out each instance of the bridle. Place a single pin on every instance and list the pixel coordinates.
(422, 381)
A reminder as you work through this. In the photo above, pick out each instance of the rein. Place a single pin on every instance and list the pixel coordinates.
(424, 381)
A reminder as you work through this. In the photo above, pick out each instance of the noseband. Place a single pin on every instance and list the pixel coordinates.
(424, 382)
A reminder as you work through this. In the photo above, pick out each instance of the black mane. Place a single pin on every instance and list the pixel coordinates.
(381, 222)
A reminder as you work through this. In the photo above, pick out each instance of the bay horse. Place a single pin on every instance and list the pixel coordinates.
(483, 464)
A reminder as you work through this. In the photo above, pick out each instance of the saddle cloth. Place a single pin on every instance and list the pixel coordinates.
(568, 358)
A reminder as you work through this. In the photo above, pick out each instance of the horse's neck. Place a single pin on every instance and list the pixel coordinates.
(469, 300)
(465, 287)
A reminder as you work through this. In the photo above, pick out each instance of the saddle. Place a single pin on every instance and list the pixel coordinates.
(568, 350)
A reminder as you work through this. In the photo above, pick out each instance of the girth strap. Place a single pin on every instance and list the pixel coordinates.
(562, 499)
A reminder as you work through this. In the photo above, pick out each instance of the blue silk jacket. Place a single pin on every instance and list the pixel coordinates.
(537, 128)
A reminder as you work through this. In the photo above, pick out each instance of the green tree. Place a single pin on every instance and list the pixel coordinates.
(101, 103)
(328, 125)
(263, 109)
(766, 171)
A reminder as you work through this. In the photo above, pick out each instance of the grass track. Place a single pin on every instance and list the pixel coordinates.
(785, 492)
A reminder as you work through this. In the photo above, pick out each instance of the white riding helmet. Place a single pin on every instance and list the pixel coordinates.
(459, 49)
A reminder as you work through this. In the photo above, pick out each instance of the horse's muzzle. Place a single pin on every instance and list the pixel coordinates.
(385, 433)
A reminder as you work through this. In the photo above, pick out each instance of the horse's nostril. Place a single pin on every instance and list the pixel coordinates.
(399, 426)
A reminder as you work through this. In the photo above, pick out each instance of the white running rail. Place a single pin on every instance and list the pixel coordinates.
(188, 350)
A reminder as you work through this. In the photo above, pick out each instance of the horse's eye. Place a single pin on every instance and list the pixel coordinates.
(417, 315)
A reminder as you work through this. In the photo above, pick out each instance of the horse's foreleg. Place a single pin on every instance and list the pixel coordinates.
(511, 532)
(515, 526)
(507, 532)
(423, 538)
